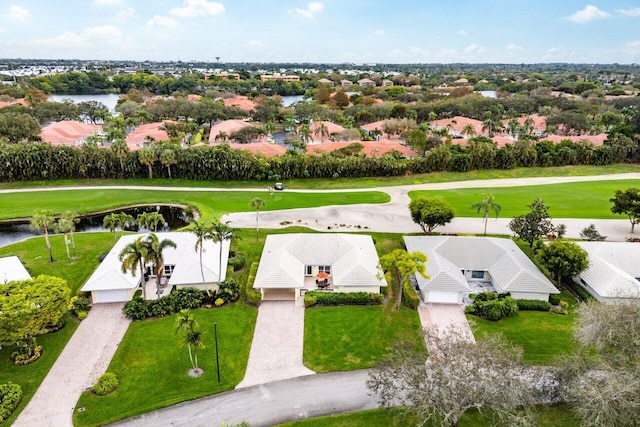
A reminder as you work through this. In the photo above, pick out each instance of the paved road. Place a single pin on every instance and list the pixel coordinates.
(85, 357)
(268, 404)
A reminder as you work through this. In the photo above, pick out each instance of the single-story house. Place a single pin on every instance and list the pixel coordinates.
(68, 132)
(143, 135)
(613, 273)
(11, 270)
(181, 268)
(291, 264)
(462, 265)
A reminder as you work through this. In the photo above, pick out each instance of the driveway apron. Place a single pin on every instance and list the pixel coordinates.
(85, 357)
(276, 349)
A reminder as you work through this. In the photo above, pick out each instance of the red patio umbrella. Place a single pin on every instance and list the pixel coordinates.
(322, 275)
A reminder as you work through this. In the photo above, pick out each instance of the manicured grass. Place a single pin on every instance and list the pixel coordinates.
(210, 204)
(34, 255)
(342, 183)
(542, 335)
(547, 416)
(355, 337)
(571, 200)
(152, 367)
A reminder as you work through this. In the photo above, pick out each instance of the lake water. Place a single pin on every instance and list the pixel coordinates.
(289, 100)
(488, 93)
(109, 99)
(174, 217)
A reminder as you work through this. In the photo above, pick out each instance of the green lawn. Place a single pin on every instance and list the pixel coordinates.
(572, 200)
(152, 368)
(210, 204)
(547, 416)
(542, 335)
(34, 256)
(342, 183)
(355, 337)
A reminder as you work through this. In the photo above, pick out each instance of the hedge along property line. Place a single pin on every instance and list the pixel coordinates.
(10, 397)
(312, 298)
(410, 296)
(533, 304)
(253, 297)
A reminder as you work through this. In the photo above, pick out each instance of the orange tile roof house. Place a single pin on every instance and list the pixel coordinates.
(370, 148)
(346, 83)
(327, 82)
(68, 132)
(266, 149)
(596, 140)
(227, 127)
(366, 83)
(457, 124)
(387, 83)
(376, 129)
(142, 134)
(241, 102)
(278, 76)
(331, 128)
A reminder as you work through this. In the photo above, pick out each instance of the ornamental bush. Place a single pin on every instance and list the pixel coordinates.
(345, 298)
(309, 300)
(186, 298)
(136, 309)
(410, 296)
(10, 397)
(554, 299)
(106, 384)
(533, 305)
(228, 291)
(254, 297)
(492, 306)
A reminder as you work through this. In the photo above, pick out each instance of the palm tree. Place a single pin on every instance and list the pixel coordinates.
(111, 222)
(125, 220)
(132, 257)
(73, 219)
(202, 231)
(222, 135)
(486, 206)
(257, 203)
(43, 221)
(64, 225)
(322, 131)
(143, 220)
(120, 149)
(168, 158)
(154, 219)
(148, 156)
(220, 233)
(153, 250)
(305, 133)
(185, 322)
(468, 130)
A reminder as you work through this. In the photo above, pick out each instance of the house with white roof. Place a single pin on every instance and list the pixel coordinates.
(181, 269)
(458, 266)
(613, 273)
(291, 264)
(11, 270)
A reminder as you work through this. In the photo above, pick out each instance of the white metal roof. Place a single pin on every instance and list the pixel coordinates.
(510, 269)
(184, 257)
(11, 269)
(613, 268)
(353, 260)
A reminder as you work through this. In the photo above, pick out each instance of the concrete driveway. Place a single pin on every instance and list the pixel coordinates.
(276, 349)
(443, 317)
(85, 357)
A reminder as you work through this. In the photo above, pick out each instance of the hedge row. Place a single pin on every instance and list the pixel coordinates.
(582, 293)
(253, 297)
(10, 397)
(180, 299)
(533, 305)
(106, 384)
(410, 296)
(341, 298)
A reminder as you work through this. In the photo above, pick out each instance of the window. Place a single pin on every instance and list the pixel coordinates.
(324, 269)
(477, 274)
(168, 270)
(308, 270)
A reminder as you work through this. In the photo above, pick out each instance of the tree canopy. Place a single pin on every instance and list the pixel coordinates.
(563, 258)
(533, 225)
(627, 202)
(430, 213)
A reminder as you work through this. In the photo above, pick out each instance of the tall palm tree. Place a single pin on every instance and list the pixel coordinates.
(322, 131)
(143, 220)
(120, 149)
(154, 248)
(305, 133)
(220, 233)
(222, 135)
(43, 221)
(148, 156)
(73, 219)
(257, 203)
(125, 220)
(202, 231)
(167, 158)
(486, 206)
(155, 219)
(64, 226)
(132, 257)
(185, 322)
(111, 222)
(468, 130)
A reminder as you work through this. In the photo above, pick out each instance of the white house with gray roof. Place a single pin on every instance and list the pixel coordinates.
(614, 270)
(181, 268)
(456, 263)
(291, 264)
(11, 270)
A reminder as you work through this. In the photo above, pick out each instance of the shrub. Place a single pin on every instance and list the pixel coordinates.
(81, 315)
(410, 296)
(136, 309)
(554, 299)
(24, 358)
(346, 298)
(186, 298)
(79, 303)
(106, 384)
(253, 297)
(309, 300)
(562, 309)
(10, 397)
(582, 293)
(219, 302)
(229, 291)
(493, 307)
(533, 305)
(237, 262)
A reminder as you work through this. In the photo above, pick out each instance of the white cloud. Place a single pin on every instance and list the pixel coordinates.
(2, 31)
(514, 48)
(159, 21)
(126, 13)
(109, 3)
(462, 33)
(255, 43)
(632, 12)
(90, 37)
(312, 9)
(554, 54)
(195, 8)
(588, 14)
(378, 33)
(17, 13)
(474, 49)
(418, 51)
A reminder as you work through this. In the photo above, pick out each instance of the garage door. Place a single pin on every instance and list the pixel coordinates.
(279, 295)
(442, 297)
(114, 295)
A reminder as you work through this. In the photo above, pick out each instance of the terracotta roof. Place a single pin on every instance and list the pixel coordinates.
(596, 140)
(373, 126)
(458, 123)
(331, 128)
(68, 132)
(539, 122)
(241, 102)
(325, 81)
(193, 97)
(228, 127)
(267, 149)
(20, 101)
(370, 148)
(138, 136)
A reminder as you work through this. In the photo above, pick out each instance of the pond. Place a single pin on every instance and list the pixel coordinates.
(175, 218)
(108, 99)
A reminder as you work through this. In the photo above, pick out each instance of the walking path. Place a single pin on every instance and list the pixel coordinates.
(268, 404)
(276, 349)
(85, 357)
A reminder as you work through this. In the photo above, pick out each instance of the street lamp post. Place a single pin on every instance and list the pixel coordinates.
(215, 334)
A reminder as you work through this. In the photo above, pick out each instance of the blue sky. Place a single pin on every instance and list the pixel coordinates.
(335, 31)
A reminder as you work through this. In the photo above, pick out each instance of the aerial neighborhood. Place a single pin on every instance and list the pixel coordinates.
(435, 237)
